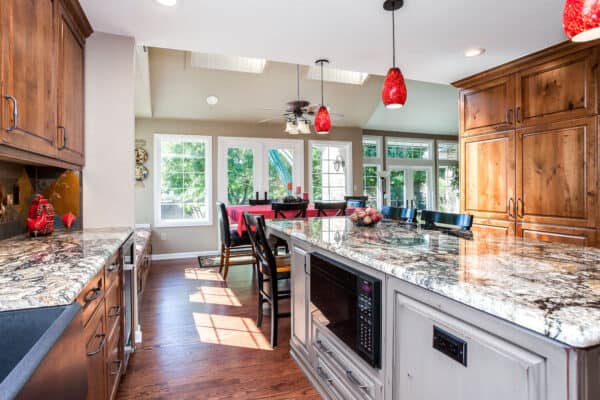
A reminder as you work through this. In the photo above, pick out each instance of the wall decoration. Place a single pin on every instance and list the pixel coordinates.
(141, 157)
(41, 217)
(68, 220)
(141, 173)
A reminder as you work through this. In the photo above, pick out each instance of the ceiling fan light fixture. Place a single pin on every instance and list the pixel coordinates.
(581, 20)
(291, 127)
(394, 92)
(304, 127)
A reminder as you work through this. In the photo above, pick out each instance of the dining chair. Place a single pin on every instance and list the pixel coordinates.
(270, 271)
(235, 249)
(253, 202)
(339, 206)
(299, 207)
(399, 214)
(437, 219)
(356, 201)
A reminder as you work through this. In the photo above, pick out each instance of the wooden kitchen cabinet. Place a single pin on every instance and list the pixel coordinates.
(42, 81)
(558, 234)
(96, 337)
(488, 107)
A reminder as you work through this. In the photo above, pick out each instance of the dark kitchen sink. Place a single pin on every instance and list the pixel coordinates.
(42, 354)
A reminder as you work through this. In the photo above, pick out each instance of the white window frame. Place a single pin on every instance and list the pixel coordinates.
(259, 146)
(377, 182)
(347, 148)
(207, 140)
(374, 162)
(408, 183)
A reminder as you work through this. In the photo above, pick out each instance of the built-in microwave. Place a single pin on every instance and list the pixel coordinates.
(350, 302)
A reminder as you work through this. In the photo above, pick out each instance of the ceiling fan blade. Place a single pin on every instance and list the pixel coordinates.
(270, 119)
(336, 115)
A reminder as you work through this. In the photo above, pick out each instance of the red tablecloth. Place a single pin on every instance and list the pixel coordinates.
(236, 214)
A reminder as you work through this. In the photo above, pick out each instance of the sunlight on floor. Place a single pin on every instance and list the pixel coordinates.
(198, 274)
(215, 295)
(230, 331)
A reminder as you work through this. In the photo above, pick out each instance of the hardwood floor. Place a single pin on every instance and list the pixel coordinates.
(200, 340)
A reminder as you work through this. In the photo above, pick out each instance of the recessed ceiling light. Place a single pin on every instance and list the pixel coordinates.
(474, 52)
(167, 3)
(212, 100)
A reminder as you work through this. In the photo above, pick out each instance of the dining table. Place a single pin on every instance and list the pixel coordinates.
(236, 213)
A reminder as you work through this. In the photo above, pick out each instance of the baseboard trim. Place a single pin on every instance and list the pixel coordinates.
(178, 256)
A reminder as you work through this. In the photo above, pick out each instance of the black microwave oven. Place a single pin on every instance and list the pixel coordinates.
(350, 301)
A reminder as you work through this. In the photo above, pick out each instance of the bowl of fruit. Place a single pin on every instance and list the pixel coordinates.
(366, 217)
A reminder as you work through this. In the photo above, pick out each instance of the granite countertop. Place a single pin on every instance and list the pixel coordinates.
(549, 288)
(141, 237)
(52, 270)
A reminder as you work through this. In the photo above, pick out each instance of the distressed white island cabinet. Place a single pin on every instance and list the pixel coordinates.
(491, 318)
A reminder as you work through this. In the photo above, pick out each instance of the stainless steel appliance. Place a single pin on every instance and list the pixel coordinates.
(350, 301)
(129, 299)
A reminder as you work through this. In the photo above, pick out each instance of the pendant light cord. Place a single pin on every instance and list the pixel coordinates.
(298, 80)
(394, 38)
(322, 101)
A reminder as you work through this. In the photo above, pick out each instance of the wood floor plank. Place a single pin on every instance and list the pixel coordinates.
(201, 340)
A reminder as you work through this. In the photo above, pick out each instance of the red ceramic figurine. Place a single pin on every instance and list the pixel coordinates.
(41, 217)
(68, 220)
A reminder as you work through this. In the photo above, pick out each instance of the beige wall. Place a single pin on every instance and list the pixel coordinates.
(204, 238)
(108, 195)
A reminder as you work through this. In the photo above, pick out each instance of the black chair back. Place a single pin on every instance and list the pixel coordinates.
(280, 209)
(321, 206)
(356, 201)
(259, 202)
(434, 218)
(260, 243)
(224, 224)
(400, 214)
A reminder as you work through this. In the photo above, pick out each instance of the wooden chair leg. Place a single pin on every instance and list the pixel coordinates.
(274, 322)
(226, 267)
(259, 314)
(222, 257)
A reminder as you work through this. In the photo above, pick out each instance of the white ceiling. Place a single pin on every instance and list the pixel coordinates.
(356, 35)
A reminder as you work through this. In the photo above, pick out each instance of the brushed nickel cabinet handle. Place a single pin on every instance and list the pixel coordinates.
(100, 345)
(15, 113)
(64, 143)
(509, 116)
(519, 115)
(522, 208)
(510, 207)
(355, 381)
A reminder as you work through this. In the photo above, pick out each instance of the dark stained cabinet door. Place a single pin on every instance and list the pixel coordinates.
(488, 176)
(27, 32)
(70, 126)
(488, 107)
(556, 174)
(96, 338)
(557, 90)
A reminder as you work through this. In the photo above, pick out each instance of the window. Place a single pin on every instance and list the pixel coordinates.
(370, 184)
(182, 185)
(331, 166)
(253, 165)
(448, 177)
(448, 151)
(406, 150)
(372, 164)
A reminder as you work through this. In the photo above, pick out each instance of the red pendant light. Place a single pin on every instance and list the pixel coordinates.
(394, 92)
(581, 20)
(322, 119)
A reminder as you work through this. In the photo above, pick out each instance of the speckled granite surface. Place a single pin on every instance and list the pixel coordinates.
(52, 270)
(141, 236)
(549, 288)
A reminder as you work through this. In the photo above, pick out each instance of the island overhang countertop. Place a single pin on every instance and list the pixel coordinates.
(52, 270)
(549, 288)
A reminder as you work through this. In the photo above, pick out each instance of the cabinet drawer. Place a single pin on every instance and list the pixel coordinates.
(91, 296)
(558, 234)
(113, 310)
(440, 357)
(360, 383)
(114, 364)
(330, 381)
(95, 337)
(113, 272)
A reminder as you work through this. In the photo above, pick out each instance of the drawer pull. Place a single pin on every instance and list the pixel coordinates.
(95, 293)
(322, 347)
(355, 381)
(323, 375)
(119, 363)
(114, 311)
(15, 113)
(64, 143)
(100, 345)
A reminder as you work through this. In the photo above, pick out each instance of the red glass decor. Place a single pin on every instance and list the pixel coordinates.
(41, 217)
(581, 20)
(322, 121)
(394, 89)
(68, 220)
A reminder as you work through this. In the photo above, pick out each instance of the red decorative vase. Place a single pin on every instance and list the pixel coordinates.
(322, 121)
(393, 94)
(581, 20)
(41, 217)
(68, 220)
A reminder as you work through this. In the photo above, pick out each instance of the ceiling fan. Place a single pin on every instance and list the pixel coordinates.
(298, 113)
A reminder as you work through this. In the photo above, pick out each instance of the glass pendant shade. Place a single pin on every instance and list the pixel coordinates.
(322, 121)
(394, 89)
(581, 20)
(291, 127)
(304, 127)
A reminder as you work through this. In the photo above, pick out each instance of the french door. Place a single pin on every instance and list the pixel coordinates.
(410, 187)
(251, 165)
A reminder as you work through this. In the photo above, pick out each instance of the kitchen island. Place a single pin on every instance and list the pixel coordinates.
(523, 315)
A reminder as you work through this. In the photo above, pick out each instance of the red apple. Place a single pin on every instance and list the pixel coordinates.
(371, 211)
(361, 214)
(354, 217)
(367, 220)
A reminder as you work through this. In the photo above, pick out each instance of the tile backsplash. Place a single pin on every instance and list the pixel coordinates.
(18, 185)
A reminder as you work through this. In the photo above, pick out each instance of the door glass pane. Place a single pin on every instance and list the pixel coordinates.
(448, 188)
(240, 175)
(280, 172)
(420, 188)
(397, 188)
(328, 173)
(370, 184)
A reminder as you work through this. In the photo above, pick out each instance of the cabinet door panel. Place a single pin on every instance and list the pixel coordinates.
(488, 176)
(484, 227)
(70, 91)
(28, 36)
(299, 297)
(557, 90)
(556, 174)
(95, 349)
(558, 234)
(488, 107)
